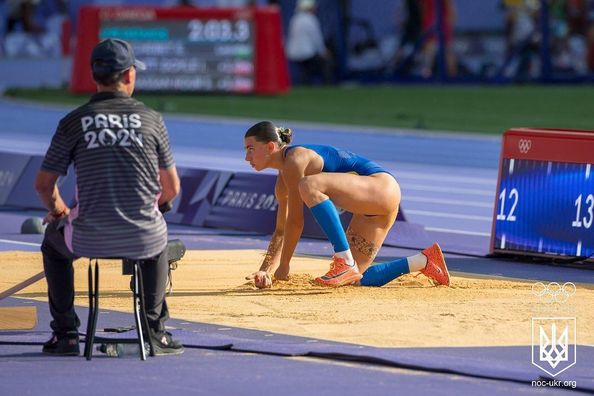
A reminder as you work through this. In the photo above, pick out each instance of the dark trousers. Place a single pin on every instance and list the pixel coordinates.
(59, 273)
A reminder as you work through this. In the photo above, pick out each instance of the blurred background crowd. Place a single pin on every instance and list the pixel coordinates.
(334, 41)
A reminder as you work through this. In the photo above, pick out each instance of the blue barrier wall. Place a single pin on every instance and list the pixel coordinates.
(208, 198)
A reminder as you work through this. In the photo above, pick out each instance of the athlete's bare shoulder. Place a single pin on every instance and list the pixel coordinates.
(296, 160)
(303, 161)
(301, 156)
(296, 153)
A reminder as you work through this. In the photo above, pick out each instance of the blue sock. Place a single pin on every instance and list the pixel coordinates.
(326, 215)
(380, 274)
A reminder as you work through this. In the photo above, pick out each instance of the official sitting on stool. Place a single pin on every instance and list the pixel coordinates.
(124, 172)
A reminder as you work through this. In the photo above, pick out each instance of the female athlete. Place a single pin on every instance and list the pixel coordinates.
(321, 177)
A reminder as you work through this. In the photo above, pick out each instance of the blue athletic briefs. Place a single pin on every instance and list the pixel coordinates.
(343, 161)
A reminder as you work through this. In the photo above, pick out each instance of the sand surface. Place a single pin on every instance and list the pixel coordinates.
(209, 287)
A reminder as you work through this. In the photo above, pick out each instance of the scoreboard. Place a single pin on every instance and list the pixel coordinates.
(190, 49)
(545, 196)
(197, 55)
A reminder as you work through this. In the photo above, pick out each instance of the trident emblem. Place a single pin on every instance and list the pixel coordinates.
(556, 349)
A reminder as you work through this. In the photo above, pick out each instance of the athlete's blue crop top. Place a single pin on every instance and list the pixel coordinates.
(339, 160)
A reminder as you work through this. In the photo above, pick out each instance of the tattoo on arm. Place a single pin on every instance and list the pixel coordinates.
(361, 244)
(273, 252)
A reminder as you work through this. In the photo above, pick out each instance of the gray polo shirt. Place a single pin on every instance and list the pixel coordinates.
(117, 145)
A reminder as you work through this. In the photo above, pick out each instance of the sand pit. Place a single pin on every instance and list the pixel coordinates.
(209, 287)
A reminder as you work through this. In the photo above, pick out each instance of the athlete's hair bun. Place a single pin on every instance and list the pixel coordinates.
(266, 131)
(285, 134)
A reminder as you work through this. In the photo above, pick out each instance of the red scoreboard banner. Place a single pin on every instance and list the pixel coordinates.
(560, 145)
(190, 49)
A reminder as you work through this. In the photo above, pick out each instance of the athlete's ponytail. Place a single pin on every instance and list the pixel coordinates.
(285, 134)
(266, 131)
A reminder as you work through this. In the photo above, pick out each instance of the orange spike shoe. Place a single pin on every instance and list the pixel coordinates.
(436, 268)
(340, 274)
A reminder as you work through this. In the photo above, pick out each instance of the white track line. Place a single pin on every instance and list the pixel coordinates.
(452, 179)
(447, 215)
(440, 201)
(462, 232)
(449, 189)
(20, 243)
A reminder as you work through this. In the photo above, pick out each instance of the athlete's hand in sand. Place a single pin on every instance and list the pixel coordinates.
(262, 279)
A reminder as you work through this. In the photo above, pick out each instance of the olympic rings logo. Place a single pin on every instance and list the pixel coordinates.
(553, 292)
(524, 145)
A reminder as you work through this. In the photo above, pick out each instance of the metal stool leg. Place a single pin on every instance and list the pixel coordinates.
(137, 307)
(143, 311)
(93, 310)
(88, 345)
(96, 313)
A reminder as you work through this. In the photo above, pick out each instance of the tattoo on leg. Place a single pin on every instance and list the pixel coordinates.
(362, 245)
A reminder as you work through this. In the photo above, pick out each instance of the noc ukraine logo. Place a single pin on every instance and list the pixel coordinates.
(554, 344)
(524, 145)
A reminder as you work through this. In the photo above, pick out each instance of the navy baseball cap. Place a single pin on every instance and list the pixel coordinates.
(113, 55)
